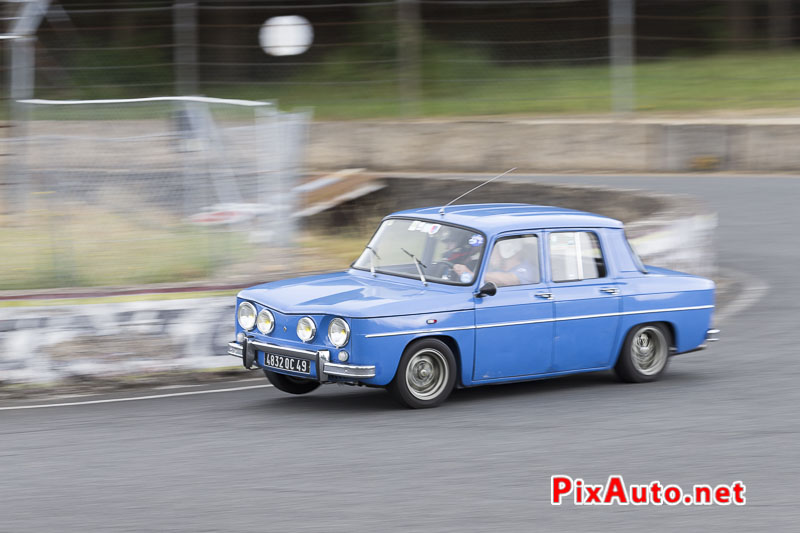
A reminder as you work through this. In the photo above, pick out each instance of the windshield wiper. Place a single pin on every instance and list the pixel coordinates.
(417, 263)
(371, 262)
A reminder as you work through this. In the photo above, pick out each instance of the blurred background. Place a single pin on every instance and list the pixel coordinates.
(108, 179)
(392, 58)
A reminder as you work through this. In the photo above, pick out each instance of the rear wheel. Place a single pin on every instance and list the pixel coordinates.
(426, 374)
(644, 354)
(291, 384)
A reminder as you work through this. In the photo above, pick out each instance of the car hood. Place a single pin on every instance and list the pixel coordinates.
(352, 295)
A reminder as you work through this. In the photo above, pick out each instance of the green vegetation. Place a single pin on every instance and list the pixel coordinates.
(469, 84)
(84, 246)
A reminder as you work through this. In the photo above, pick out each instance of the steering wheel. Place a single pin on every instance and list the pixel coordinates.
(444, 273)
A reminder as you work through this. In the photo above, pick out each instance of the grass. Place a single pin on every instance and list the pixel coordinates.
(87, 246)
(64, 244)
(123, 298)
(467, 83)
(752, 80)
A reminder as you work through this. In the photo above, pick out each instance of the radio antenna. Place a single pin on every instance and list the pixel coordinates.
(441, 211)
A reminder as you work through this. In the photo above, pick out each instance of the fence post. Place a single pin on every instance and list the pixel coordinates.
(409, 36)
(621, 35)
(185, 29)
(780, 23)
(22, 76)
(21, 87)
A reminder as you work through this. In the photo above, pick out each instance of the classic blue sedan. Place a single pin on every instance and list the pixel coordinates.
(469, 295)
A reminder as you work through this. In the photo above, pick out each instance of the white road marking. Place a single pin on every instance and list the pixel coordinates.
(132, 399)
(752, 291)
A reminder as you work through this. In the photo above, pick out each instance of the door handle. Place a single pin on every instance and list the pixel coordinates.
(545, 295)
(610, 290)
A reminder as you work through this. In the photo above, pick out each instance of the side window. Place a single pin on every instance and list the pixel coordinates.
(576, 255)
(514, 261)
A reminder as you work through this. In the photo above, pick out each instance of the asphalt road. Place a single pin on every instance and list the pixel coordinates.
(347, 459)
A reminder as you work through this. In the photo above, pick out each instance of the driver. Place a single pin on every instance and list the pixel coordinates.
(457, 249)
(506, 265)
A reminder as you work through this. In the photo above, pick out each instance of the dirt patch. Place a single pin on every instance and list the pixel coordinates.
(410, 193)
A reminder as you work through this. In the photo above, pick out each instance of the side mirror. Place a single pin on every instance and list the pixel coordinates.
(487, 289)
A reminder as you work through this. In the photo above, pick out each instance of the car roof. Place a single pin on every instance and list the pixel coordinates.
(498, 218)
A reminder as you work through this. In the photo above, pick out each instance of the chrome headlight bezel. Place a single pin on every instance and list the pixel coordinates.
(267, 313)
(345, 327)
(312, 328)
(246, 325)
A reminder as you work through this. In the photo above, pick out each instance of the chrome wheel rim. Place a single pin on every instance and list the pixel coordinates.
(649, 350)
(427, 373)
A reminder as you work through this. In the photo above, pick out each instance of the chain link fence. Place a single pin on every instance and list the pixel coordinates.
(114, 192)
(431, 57)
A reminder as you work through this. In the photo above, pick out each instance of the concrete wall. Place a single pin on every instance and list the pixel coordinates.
(635, 145)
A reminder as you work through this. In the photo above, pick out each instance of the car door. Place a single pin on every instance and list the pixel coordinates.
(586, 298)
(514, 327)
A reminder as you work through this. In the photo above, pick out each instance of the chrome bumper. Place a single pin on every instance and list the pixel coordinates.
(711, 336)
(247, 353)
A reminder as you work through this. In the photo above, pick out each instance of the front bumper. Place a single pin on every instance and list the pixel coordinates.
(247, 352)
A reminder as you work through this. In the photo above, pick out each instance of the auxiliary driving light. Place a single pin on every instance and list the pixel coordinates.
(265, 322)
(343, 356)
(306, 329)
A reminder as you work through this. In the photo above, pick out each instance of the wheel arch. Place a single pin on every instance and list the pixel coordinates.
(451, 343)
(669, 326)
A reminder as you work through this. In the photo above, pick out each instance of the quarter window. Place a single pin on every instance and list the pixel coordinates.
(576, 255)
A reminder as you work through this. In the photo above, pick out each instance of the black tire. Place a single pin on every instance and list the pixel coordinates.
(426, 374)
(291, 384)
(645, 353)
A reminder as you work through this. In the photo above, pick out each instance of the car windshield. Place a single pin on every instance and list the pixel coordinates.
(441, 253)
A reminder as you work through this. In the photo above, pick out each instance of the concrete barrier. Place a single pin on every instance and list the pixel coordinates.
(563, 145)
(57, 342)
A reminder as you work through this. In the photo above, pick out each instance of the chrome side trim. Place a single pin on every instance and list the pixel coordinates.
(537, 321)
(415, 331)
(692, 308)
(515, 323)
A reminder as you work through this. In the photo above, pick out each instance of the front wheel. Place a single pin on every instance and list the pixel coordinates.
(644, 354)
(291, 384)
(426, 374)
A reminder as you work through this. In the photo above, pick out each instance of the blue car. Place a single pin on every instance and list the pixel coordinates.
(471, 295)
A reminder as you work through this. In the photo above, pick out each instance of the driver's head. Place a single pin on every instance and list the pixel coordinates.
(450, 239)
(506, 250)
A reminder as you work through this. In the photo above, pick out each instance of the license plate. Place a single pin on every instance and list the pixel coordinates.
(284, 362)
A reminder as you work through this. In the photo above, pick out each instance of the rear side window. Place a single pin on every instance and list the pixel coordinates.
(576, 255)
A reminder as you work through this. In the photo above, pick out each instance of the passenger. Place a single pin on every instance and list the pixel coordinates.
(507, 266)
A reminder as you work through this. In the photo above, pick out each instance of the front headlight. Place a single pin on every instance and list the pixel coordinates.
(246, 315)
(338, 332)
(306, 329)
(265, 322)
